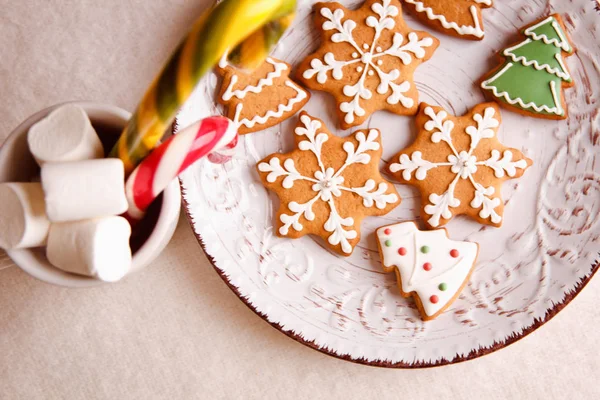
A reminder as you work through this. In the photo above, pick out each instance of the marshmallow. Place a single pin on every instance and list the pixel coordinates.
(98, 248)
(23, 220)
(65, 135)
(84, 189)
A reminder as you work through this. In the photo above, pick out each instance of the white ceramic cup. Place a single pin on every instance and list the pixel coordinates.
(18, 165)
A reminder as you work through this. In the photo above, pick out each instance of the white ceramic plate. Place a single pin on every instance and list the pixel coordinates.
(527, 270)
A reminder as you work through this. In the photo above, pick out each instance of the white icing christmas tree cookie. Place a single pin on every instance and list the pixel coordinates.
(429, 266)
(260, 99)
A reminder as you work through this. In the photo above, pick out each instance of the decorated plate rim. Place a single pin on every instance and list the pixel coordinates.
(473, 354)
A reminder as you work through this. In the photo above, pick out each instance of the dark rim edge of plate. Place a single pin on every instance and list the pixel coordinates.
(473, 354)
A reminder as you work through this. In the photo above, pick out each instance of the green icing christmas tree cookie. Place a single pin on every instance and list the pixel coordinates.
(532, 79)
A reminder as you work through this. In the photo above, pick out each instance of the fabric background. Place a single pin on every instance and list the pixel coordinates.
(175, 331)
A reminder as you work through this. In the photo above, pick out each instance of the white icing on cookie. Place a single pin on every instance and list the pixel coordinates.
(557, 109)
(262, 83)
(368, 56)
(328, 183)
(464, 30)
(281, 109)
(430, 265)
(563, 44)
(561, 71)
(278, 70)
(464, 164)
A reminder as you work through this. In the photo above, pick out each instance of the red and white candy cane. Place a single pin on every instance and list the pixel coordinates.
(213, 137)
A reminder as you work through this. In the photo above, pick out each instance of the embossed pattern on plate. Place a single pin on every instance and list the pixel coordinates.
(347, 307)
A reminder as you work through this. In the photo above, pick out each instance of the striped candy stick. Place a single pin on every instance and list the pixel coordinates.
(252, 52)
(173, 157)
(223, 27)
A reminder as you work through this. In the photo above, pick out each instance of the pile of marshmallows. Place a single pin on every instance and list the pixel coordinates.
(75, 209)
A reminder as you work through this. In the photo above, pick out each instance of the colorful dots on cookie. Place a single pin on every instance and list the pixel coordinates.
(367, 59)
(388, 243)
(459, 165)
(425, 249)
(534, 74)
(328, 185)
(434, 278)
(454, 253)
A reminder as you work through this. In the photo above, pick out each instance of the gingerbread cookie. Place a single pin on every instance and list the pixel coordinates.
(429, 266)
(260, 99)
(328, 185)
(367, 59)
(460, 18)
(459, 165)
(532, 79)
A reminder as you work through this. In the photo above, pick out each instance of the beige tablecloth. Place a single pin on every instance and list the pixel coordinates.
(175, 331)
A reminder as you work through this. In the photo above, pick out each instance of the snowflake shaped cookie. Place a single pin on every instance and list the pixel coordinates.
(367, 59)
(459, 165)
(329, 184)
